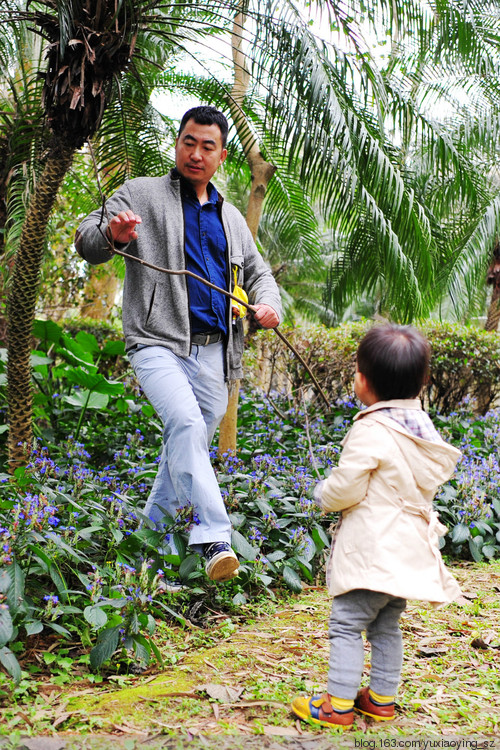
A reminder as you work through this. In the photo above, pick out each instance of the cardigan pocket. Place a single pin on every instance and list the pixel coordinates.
(151, 305)
(238, 262)
(236, 351)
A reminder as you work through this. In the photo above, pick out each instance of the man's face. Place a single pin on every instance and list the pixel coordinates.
(199, 152)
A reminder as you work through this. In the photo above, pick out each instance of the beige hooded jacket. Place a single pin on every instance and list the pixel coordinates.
(384, 486)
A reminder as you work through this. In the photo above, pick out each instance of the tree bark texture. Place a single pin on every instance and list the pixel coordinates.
(100, 293)
(494, 280)
(227, 431)
(260, 169)
(22, 301)
(261, 172)
(493, 318)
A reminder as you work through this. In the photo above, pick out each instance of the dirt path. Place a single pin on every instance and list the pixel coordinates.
(230, 688)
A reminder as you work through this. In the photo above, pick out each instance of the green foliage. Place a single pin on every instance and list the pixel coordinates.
(79, 559)
(469, 503)
(66, 371)
(100, 329)
(278, 530)
(73, 556)
(465, 363)
(329, 352)
(403, 222)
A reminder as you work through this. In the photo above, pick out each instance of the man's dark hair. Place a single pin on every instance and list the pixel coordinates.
(206, 115)
(395, 361)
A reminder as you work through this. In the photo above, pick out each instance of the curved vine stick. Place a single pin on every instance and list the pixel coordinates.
(185, 272)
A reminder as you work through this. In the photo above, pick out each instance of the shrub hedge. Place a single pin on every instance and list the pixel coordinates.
(79, 560)
(465, 363)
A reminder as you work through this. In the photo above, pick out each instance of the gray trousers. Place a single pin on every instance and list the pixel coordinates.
(190, 396)
(378, 614)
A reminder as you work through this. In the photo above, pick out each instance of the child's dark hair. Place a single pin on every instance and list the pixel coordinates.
(395, 361)
(206, 115)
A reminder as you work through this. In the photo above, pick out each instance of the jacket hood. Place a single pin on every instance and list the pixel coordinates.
(431, 462)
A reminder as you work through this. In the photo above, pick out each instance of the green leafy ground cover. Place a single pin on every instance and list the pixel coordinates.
(81, 570)
(237, 677)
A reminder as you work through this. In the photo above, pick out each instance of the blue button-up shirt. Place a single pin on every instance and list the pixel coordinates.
(206, 247)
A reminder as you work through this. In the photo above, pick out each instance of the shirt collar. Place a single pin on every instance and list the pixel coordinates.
(398, 403)
(188, 191)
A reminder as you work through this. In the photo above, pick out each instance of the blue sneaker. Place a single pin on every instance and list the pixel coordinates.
(221, 564)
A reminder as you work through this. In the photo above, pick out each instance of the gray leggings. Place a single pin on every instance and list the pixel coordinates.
(378, 614)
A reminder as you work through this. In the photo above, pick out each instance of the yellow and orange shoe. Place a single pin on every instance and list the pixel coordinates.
(366, 705)
(319, 710)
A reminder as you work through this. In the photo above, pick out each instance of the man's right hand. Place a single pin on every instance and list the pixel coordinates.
(121, 227)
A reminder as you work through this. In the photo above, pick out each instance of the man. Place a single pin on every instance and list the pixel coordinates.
(182, 337)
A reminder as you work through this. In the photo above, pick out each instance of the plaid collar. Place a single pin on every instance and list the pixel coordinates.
(408, 413)
(417, 423)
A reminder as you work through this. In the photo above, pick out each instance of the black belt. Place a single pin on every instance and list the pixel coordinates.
(202, 339)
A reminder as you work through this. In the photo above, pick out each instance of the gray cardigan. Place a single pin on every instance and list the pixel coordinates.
(156, 305)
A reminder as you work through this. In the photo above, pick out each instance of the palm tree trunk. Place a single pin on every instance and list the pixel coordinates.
(262, 172)
(22, 301)
(100, 293)
(494, 280)
(493, 318)
(3, 255)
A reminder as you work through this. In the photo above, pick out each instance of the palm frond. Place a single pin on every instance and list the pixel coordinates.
(469, 266)
(352, 142)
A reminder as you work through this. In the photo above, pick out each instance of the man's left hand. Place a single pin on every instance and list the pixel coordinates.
(265, 315)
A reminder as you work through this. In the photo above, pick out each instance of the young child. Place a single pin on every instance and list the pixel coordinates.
(385, 548)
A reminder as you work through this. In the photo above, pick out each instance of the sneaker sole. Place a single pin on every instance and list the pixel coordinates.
(307, 717)
(374, 716)
(311, 720)
(223, 567)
